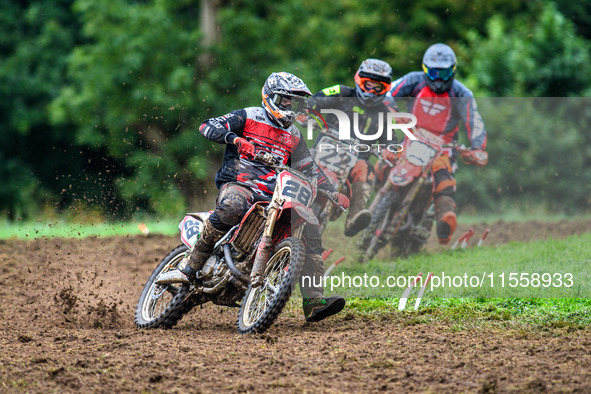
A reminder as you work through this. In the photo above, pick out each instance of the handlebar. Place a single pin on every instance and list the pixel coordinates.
(273, 162)
(379, 157)
(457, 147)
(267, 158)
(331, 199)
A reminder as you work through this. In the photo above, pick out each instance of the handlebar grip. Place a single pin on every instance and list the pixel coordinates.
(265, 157)
(331, 198)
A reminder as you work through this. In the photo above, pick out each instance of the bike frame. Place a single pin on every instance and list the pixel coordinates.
(412, 170)
(290, 205)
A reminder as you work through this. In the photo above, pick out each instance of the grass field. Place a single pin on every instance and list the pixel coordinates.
(540, 269)
(88, 227)
(57, 228)
(527, 315)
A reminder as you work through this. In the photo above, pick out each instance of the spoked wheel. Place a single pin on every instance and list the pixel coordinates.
(163, 305)
(263, 304)
(370, 243)
(411, 240)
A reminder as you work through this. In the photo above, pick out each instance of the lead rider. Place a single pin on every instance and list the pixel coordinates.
(441, 103)
(243, 181)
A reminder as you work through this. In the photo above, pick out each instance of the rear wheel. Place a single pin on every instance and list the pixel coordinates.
(163, 305)
(262, 305)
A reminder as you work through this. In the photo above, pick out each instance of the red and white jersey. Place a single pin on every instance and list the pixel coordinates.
(442, 113)
(254, 125)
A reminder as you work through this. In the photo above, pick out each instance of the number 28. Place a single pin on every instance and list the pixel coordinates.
(293, 190)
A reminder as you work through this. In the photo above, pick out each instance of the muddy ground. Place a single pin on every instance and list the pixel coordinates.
(66, 325)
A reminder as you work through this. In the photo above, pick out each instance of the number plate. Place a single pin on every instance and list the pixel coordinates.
(190, 230)
(328, 157)
(295, 189)
(419, 153)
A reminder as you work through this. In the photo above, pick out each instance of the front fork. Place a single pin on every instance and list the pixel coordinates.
(405, 205)
(264, 249)
(381, 193)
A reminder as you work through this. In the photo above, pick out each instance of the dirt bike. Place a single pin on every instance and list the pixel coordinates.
(257, 262)
(403, 211)
(336, 163)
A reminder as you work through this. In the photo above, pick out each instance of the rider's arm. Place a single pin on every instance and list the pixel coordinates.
(224, 129)
(302, 161)
(473, 122)
(405, 86)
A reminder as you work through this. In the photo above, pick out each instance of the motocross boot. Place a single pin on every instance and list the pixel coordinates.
(316, 306)
(359, 217)
(445, 218)
(202, 250)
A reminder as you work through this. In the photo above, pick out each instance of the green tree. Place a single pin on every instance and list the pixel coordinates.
(543, 58)
(133, 95)
(539, 157)
(35, 39)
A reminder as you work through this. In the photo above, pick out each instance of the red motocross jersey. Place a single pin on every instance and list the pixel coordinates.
(441, 114)
(254, 125)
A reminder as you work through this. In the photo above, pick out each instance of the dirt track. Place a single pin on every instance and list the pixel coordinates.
(66, 325)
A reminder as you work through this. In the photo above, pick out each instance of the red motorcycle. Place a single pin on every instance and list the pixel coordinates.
(403, 210)
(254, 266)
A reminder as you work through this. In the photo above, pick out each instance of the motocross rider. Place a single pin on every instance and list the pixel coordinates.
(372, 81)
(432, 90)
(242, 181)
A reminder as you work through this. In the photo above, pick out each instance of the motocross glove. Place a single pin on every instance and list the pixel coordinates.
(341, 199)
(478, 157)
(244, 147)
(389, 156)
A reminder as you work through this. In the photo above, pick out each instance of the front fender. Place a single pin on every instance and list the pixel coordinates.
(403, 174)
(303, 212)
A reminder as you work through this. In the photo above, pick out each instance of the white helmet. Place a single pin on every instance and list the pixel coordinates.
(372, 81)
(284, 95)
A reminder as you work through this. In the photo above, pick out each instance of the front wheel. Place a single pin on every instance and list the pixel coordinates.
(370, 242)
(262, 305)
(163, 305)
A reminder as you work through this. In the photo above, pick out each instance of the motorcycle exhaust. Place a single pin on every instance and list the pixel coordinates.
(230, 263)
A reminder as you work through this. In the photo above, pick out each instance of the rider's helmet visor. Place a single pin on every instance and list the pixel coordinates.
(290, 103)
(439, 73)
